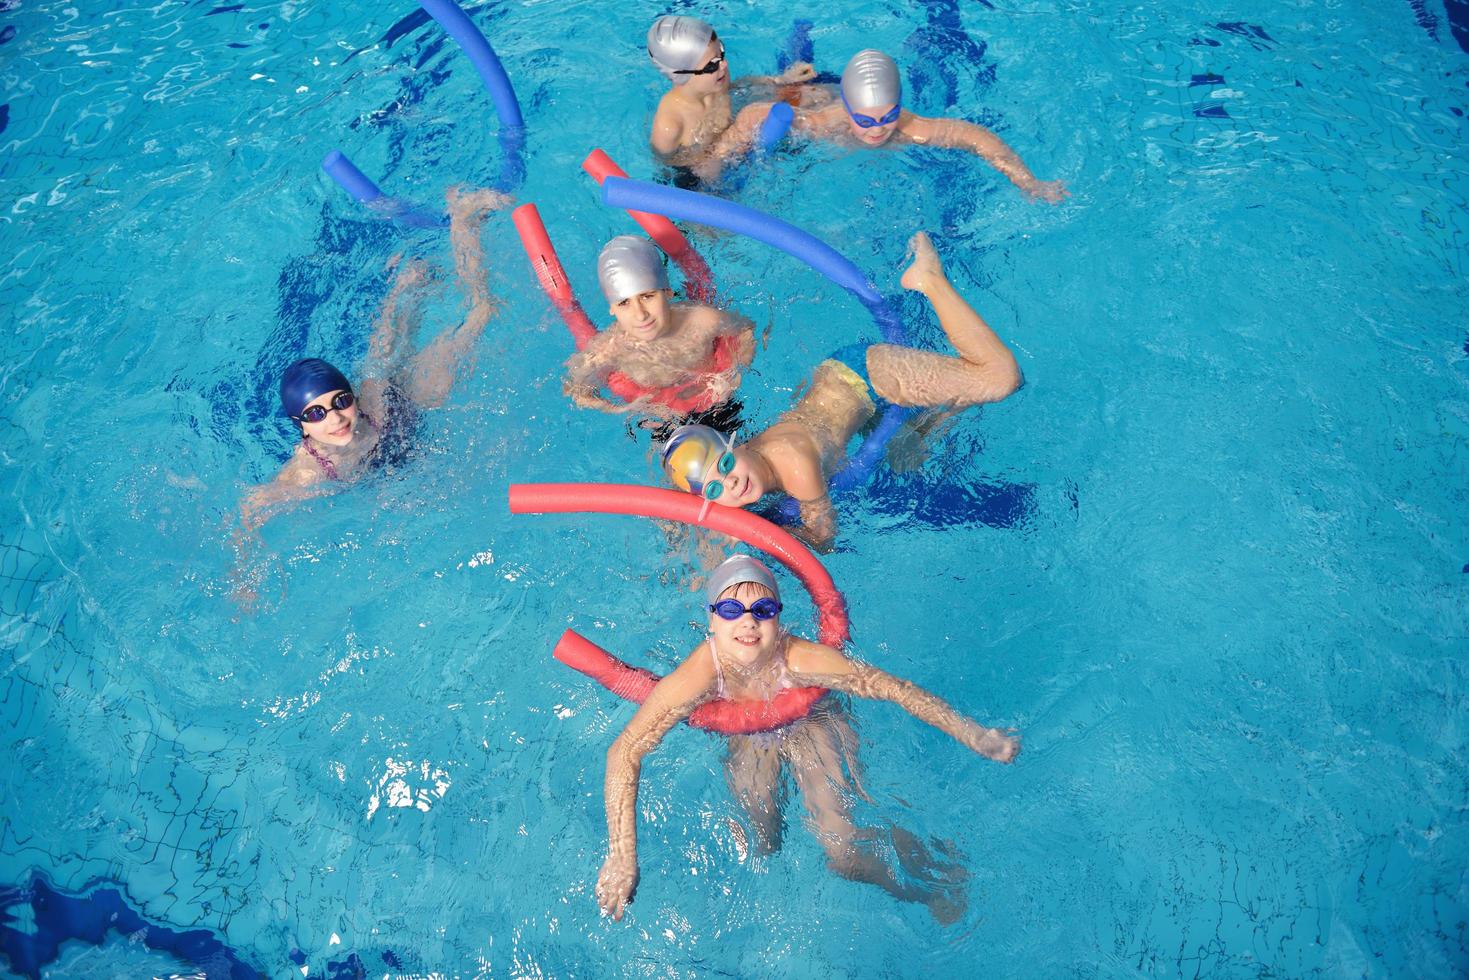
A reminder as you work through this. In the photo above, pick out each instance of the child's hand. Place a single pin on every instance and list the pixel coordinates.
(799, 71)
(1050, 191)
(616, 884)
(993, 743)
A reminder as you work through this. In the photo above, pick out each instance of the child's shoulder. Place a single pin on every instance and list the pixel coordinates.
(806, 657)
(301, 470)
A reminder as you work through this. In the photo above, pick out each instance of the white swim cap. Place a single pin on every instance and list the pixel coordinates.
(870, 80)
(678, 44)
(630, 265)
(737, 570)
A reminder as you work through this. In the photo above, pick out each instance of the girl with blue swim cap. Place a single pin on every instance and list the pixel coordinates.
(799, 453)
(748, 656)
(345, 429)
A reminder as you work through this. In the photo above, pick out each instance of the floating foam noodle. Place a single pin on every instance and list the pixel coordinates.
(777, 123)
(502, 95)
(341, 169)
(475, 47)
(699, 281)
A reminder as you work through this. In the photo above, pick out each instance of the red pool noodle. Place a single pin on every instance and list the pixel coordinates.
(612, 498)
(552, 276)
(723, 716)
(698, 280)
(672, 505)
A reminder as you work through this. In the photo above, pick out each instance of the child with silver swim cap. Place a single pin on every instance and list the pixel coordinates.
(749, 656)
(677, 359)
(345, 429)
(697, 109)
(800, 452)
(870, 114)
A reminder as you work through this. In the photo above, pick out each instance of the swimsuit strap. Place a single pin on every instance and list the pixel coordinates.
(327, 465)
(720, 689)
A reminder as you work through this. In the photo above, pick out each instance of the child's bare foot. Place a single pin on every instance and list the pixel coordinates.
(415, 272)
(478, 200)
(925, 271)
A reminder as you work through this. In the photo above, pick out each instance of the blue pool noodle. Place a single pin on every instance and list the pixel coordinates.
(352, 180)
(637, 195)
(458, 26)
(774, 128)
(798, 46)
(342, 170)
(512, 125)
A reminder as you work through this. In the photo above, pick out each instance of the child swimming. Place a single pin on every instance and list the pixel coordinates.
(870, 114)
(697, 109)
(748, 656)
(800, 452)
(346, 430)
(678, 360)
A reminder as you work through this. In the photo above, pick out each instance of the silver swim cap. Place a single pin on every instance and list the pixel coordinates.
(677, 44)
(870, 80)
(737, 570)
(630, 265)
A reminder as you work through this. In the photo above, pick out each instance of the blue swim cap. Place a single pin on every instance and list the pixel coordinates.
(307, 380)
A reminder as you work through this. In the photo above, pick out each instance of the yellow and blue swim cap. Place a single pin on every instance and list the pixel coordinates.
(694, 458)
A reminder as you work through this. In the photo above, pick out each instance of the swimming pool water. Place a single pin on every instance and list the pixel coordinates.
(1217, 575)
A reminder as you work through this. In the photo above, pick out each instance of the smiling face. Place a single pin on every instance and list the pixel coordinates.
(743, 483)
(747, 639)
(874, 135)
(337, 428)
(645, 315)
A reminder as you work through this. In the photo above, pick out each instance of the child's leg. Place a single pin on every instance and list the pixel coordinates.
(984, 371)
(397, 321)
(432, 371)
(753, 773)
(816, 748)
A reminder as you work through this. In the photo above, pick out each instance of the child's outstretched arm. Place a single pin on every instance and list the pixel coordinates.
(798, 73)
(821, 666)
(961, 135)
(818, 526)
(294, 483)
(397, 320)
(669, 703)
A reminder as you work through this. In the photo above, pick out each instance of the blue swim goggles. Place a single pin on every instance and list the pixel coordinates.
(867, 122)
(713, 488)
(732, 609)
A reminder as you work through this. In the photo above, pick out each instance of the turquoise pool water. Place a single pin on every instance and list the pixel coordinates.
(1225, 599)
